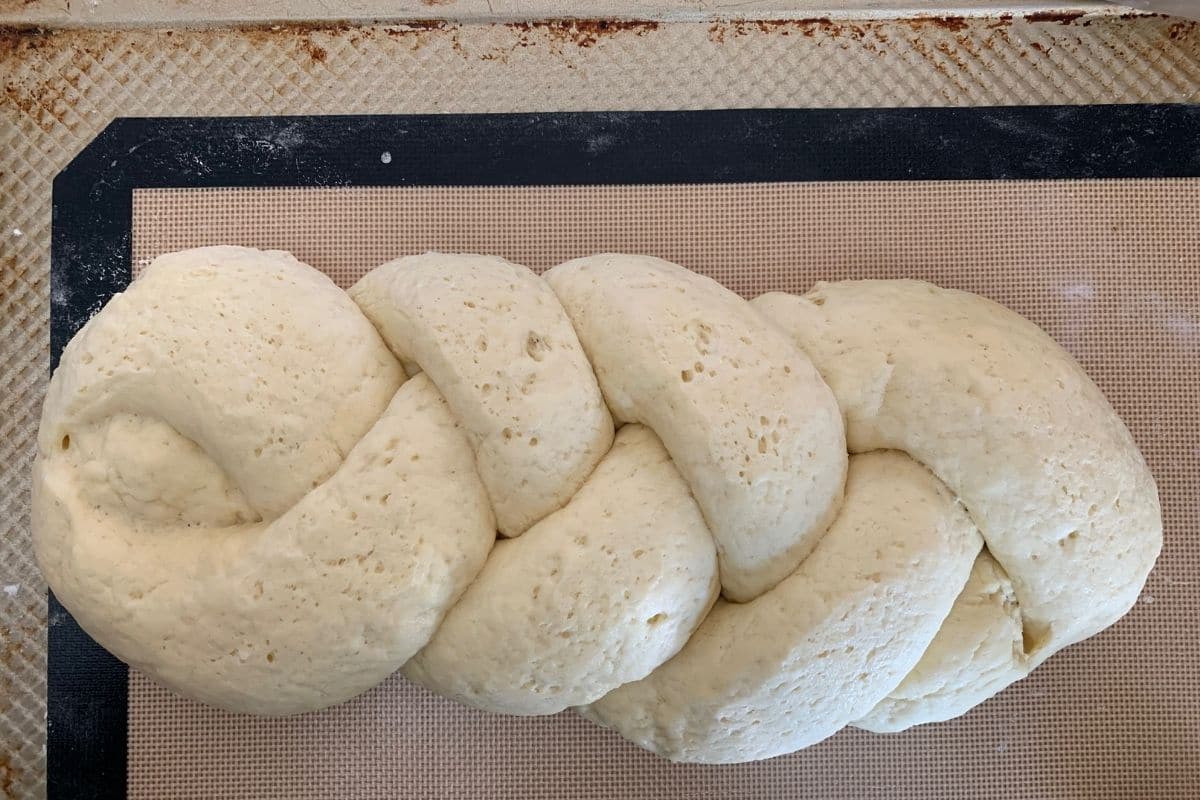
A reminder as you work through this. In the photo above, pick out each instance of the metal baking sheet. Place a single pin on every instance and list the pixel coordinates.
(61, 88)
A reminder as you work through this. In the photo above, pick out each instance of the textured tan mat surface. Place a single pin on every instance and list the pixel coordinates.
(1100, 264)
(60, 89)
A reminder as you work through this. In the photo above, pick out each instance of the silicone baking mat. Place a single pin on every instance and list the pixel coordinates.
(1086, 219)
(62, 87)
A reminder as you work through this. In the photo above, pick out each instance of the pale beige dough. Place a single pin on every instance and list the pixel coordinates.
(977, 652)
(239, 491)
(819, 650)
(274, 377)
(499, 347)
(750, 424)
(592, 597)
(1018, 431)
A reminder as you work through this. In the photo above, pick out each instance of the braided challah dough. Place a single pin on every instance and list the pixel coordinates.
(240, 491)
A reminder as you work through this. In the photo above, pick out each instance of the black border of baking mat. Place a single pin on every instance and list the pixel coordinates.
(87, 689)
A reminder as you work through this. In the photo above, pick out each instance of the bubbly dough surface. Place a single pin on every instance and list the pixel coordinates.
(908, 497)
(592, 597)
(500, 348)
(1013, 425)
(822, 648)
(750, 424)
(316, 518)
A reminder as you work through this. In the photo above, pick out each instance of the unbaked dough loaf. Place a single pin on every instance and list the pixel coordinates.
(241, 491)
(749, 422)
(348, 516)
(823, 647)
(501, 350)
(592, 597)
(1018, 431)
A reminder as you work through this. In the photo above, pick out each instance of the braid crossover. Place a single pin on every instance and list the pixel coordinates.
(727, 528)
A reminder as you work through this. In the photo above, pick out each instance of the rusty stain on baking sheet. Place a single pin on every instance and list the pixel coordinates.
(314, 50)
(859, 29)
(12, 656)
(955, 47)
(558, 36)
(1063, 17)
(8, 777)
(583, 32)
(958, 49)
(1180, 30)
